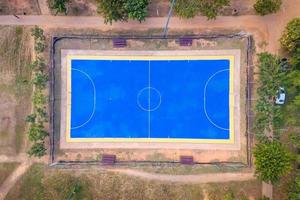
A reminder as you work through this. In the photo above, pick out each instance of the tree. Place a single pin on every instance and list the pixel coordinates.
(290, 38)
(264, 7)
(112, 10)
(59, 6)
(37, 150)
(136, 9)
(272, 160)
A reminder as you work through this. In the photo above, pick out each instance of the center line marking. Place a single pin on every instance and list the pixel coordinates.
(149, 99)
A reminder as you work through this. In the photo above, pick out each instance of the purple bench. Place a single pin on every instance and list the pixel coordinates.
(108, 159)
(187, 160)
(119, 42)
(185, 41)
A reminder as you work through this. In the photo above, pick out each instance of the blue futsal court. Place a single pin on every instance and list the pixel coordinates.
(150, 98)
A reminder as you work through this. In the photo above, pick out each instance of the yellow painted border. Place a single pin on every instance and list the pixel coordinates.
(157, 140)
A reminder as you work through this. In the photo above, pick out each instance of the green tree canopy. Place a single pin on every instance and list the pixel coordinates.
(122, 10)
(272, 160)
(264, 7)
(59, 6)
(290, 38)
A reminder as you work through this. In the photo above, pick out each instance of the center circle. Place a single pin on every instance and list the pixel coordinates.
(149, 99)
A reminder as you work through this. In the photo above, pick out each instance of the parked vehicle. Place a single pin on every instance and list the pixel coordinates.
(280, 99)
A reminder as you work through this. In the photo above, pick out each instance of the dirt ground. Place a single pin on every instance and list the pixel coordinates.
(19, 7)
(40, 181)
(15, 89)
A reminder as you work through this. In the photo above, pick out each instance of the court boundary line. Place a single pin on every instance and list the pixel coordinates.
(95, 99)
(229, 57)
(204, 101)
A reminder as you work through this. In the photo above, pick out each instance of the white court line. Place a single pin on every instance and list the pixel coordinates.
(94, 106)
(204, 101)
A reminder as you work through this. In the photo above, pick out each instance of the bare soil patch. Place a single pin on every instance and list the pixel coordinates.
(19, 7)
(6, 169)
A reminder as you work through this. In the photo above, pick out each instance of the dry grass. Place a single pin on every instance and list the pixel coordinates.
(6, 169)
(15, 54)
(43, 183)
(18, 7)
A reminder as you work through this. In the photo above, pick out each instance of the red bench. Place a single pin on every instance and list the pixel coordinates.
(187, 160)
(119, 42)
(108, 159)
(185, 41)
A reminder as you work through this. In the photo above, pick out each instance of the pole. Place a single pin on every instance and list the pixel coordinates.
(169, 16)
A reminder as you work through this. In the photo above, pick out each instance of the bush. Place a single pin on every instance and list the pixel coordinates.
(38, 98)
(187, 9)
(42, 114)
(294, 193)
(290, 38)
(40, 80)
(39, 46)
(264, 7)
(37, 33)
(208, 8)
(229, 196)
(37, 150)
(30, 118)
(59, 6)
(272, 160)
(37, 132)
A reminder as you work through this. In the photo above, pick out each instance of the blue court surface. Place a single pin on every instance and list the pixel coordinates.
(157, 99)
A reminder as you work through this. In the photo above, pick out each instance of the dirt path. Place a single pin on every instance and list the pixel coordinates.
(13, 178)
(201, 178)
(267, 28)
(44, 7)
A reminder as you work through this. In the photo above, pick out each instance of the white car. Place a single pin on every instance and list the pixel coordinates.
(280, 99)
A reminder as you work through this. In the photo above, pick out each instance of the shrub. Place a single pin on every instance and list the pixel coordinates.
(59, 6)
(294, 193)
(37, 132)
(272, 160)
(264, 7)
(210, 9)
(37, 150)
(37, 33)
(229, 196)
(40, 80)
(39, 46)
(42, 114)
(187, 9)
(38, 98)
(290, 38)
(30, 118)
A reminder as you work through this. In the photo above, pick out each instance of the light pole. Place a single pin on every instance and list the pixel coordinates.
(168, 19)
